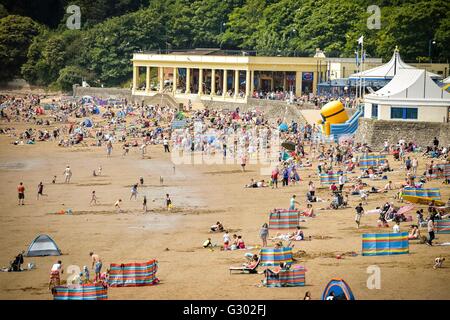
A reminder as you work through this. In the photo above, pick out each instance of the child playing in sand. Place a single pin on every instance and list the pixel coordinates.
(144, 204)
(359, 212)
(93, 198)
(117, 205)
(168, 202)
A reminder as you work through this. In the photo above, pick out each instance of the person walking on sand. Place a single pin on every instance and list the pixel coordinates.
(144, 204)
(243, 162)
(109, 148)
(97, 263)
(67, 174)
(168, 202)
(117, 205)
(40, 191)
(430, 228)
(359, 212)
(134, 191)
(292, 202)
(21, 193)
(264, 233)
(166, 144)
(93, 198)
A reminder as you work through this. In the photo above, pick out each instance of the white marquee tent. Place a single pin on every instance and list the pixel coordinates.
(388, 70)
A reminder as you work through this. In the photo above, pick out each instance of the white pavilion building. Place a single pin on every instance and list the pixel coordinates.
(411, 95)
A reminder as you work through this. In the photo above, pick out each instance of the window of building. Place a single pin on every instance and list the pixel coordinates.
(403, 113)
(374, 111)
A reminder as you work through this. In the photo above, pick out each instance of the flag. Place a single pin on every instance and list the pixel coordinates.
(357, 58)
(360, 40)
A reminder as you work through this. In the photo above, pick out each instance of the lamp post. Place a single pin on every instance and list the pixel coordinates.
(222, 25)
(429, 49)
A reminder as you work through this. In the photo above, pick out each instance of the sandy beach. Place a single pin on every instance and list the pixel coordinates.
(201, 195)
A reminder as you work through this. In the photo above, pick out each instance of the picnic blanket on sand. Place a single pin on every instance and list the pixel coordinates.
(80, 292)
(442, 226)
(380, 244)
(283, 219)
(133, 274)
(274, 256)
(432, 193)
(294, 277)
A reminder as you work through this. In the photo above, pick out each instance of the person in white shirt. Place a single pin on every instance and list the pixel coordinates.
(341, 181)
(67, 174)
(396, 227)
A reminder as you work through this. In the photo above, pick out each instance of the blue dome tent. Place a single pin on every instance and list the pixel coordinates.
(283, 127)
(96, 110)
(340, 289)
(88, 123)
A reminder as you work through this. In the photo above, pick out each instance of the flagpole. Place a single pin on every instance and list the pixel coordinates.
(364, 79)
(357, 68)
(363, 83)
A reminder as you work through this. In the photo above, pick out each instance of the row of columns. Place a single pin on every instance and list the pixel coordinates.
(249, 79)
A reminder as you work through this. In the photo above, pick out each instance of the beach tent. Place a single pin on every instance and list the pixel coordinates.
(96, 110)
(382, 244)
(284, 219)
(442, 226)
(340, 289)
(133, 274)
(88, 123)
(275, 256)
(43, 245)
(294, 277)
(283, 127)
(389, 70)
(80, 292)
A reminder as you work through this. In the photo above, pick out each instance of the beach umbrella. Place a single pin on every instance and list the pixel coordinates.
(288, 145)
(283, 127)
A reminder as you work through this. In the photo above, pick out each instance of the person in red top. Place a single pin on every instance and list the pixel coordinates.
(21, 192)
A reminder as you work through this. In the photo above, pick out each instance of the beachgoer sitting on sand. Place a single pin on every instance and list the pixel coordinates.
(240, 243)
(218, 227)
(207, 243)
(388, 186)
(16, 265)
(309, 212)
(414, 233)
(234, 244)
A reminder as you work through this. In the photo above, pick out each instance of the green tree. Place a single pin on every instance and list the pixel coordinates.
(243, 23)
(70, 75)
(16, 35)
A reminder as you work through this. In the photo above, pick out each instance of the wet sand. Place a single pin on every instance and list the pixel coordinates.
(202, 195)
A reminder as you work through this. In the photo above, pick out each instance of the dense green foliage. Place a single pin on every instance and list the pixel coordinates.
(112, 30)
(16, 35)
